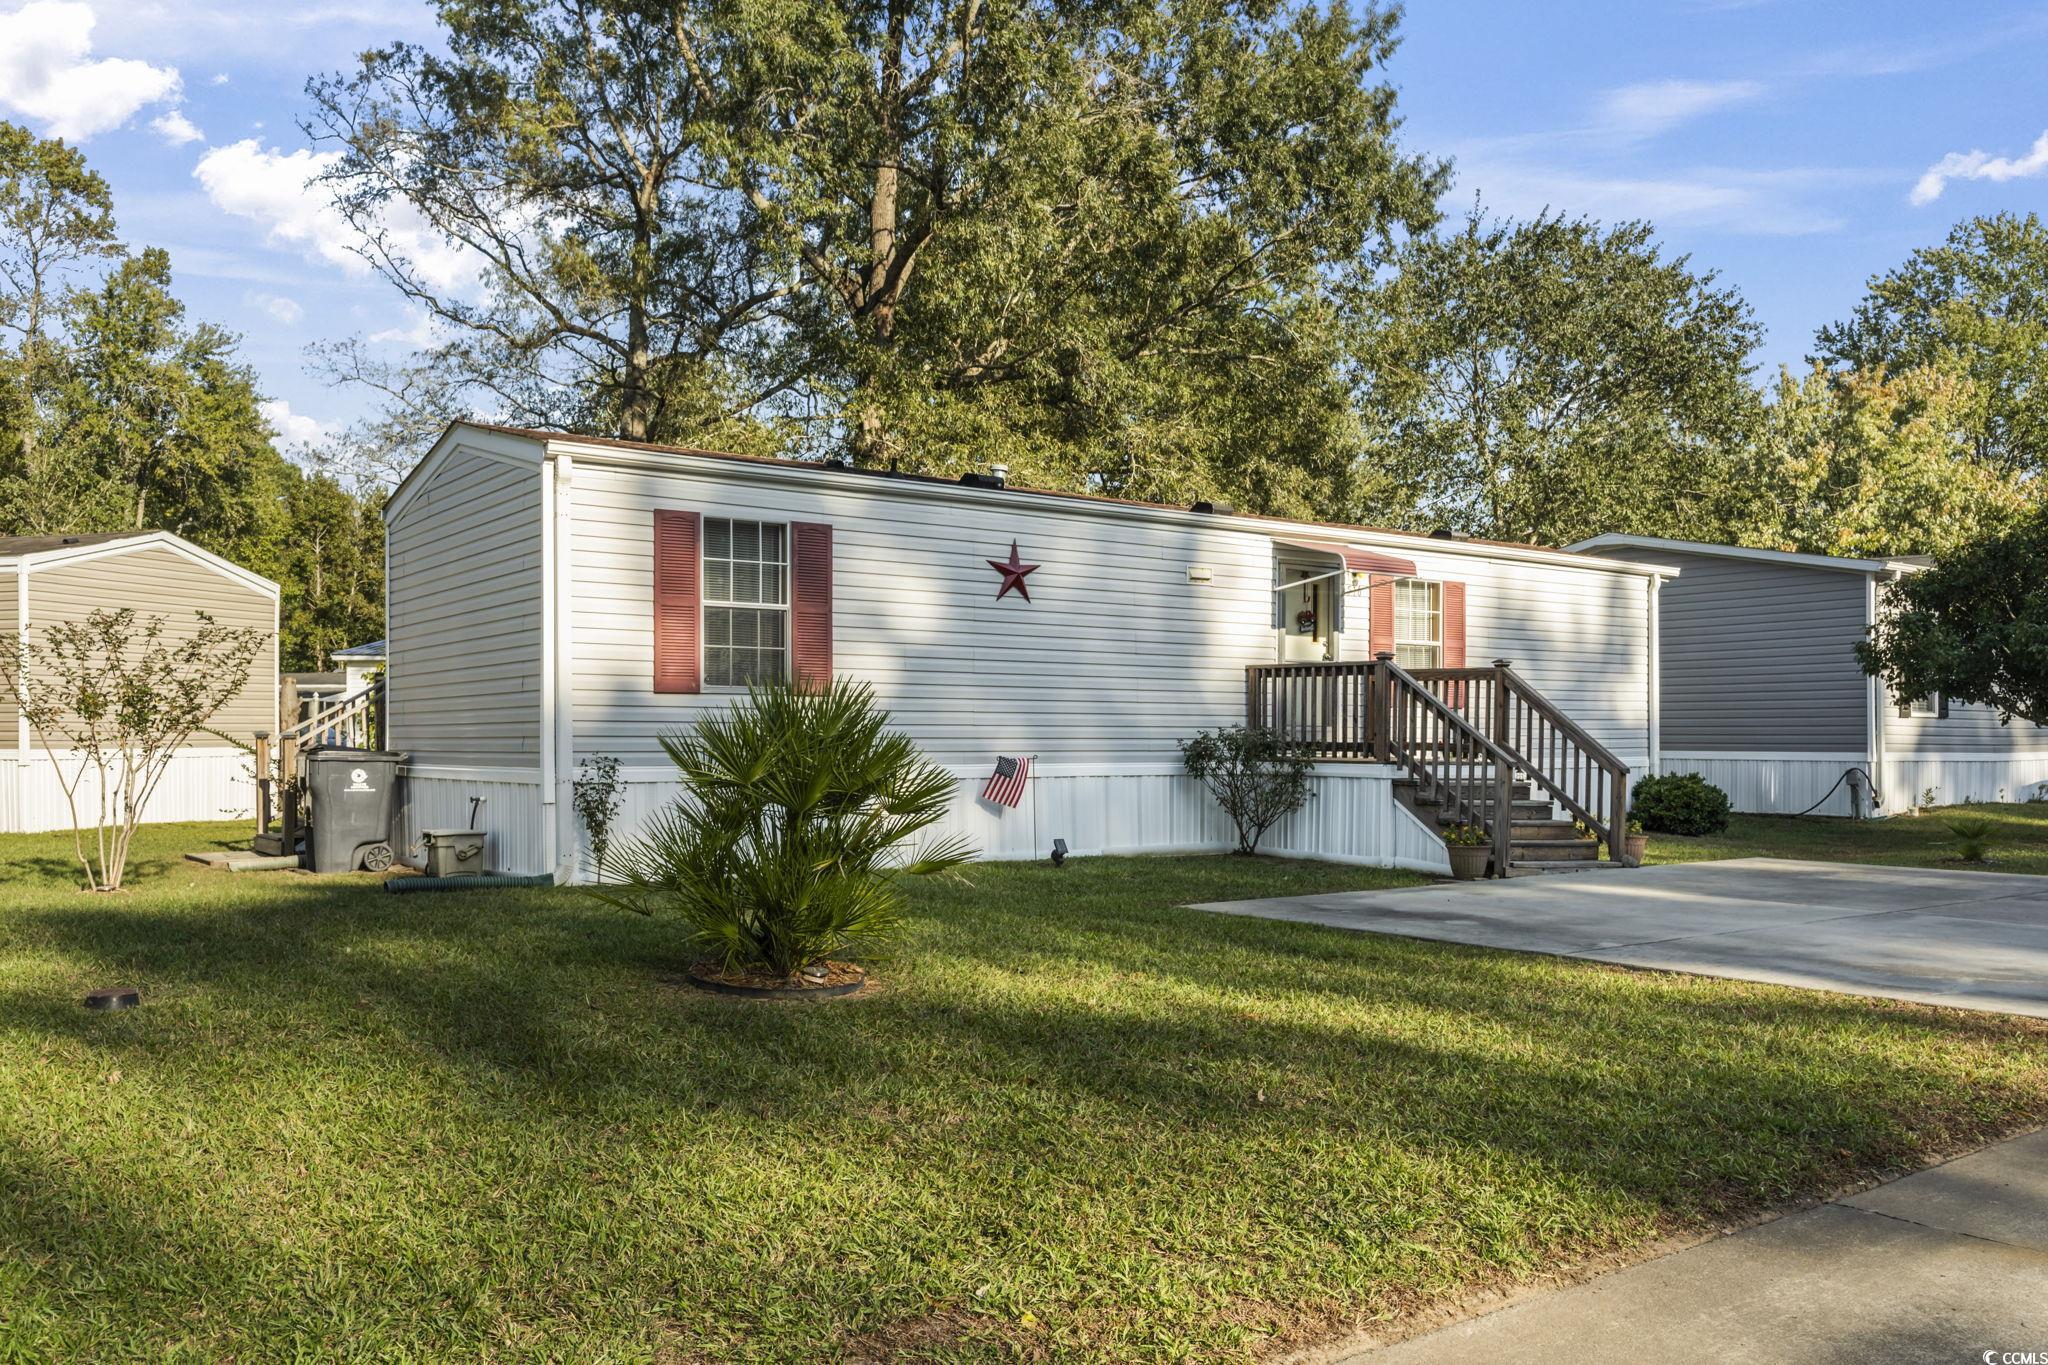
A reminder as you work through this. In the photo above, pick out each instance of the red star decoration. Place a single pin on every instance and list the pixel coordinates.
(1013, 575)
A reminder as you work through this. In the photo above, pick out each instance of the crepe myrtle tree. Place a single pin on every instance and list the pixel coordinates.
(112, 698)
(1973, 628)
(1254, 775)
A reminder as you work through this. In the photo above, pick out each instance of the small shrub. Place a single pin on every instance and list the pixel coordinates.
(1973, 839)
(1683, 803)
(1252, 773)
(596, 793)
(788, 842)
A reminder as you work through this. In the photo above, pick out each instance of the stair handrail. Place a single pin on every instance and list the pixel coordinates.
(1392, 742)
(1610, 823)
(366, 704)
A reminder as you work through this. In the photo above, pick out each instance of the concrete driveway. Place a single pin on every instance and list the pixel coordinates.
(1975, 940)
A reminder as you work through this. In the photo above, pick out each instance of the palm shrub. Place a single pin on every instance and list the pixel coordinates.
(791, 836)
(1973, 839)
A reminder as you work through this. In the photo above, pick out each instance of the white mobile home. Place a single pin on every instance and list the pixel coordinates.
(555, 598)
(47, 579)
(1763, 695)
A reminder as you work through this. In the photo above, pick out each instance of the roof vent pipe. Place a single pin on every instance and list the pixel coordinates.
(1001, 474)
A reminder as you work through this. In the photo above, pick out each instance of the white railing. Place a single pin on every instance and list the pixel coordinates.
(354, 722)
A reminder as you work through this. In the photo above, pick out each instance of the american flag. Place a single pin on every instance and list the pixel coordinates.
(1006, 786)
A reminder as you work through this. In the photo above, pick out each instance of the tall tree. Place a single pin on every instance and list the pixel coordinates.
(331, 568)
(1098, 240)
(1549, 380)
(1978, 305)
(56, 215)
(165, 417)
(1872, 464)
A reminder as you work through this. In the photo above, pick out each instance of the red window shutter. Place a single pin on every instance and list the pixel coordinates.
(810, 613)
(1380, 628)
(1454, 625)
(678, 594)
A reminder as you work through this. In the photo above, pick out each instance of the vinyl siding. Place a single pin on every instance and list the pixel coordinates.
(1760, 657)
(463, 607)
(1115, 658)
(157, 581)
(10, 622)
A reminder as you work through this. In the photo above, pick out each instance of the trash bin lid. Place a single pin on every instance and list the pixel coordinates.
(449, 833)
(336, 753)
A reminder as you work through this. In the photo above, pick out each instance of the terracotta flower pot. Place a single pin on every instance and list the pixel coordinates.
(1633, 847)
(1468, 861)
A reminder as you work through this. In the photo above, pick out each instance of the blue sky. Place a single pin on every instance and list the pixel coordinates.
(1797, 148)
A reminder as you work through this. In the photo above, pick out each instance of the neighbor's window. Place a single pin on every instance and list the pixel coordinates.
(746, 602)
(1418, 623)
(1927, 707)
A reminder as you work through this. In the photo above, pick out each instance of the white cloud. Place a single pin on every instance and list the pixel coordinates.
(47, 75)
(1979, 166)
(278, 306)
(295, 430)
(219, 78)
(420, 332)
(273, 188)
(175, 128)
(1651, 107)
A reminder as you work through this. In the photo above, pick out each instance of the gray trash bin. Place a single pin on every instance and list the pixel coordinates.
(352, 793)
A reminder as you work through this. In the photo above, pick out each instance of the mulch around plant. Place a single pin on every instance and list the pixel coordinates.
(835, 979)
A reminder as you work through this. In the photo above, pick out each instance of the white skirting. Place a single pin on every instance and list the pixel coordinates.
(1959, 778)
(1352, 816)
(1775, 784)
(199, 784)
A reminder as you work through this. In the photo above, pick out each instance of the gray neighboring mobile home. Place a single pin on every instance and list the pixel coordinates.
(46, 579)
(552, 598)
(1762, 694)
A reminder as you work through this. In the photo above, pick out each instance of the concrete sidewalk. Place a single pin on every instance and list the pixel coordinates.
(1943, 1265)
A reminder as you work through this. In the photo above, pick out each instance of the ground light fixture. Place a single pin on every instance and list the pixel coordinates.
(1059, 853)
(114, 998)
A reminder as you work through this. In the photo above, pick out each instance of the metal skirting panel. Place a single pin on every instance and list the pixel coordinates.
(1958, 778)
(1779, 784)
(1136, 808)
(511, 814)
(199, 784)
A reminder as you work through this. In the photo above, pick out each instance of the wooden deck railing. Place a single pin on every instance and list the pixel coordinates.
(1462, 733)
(354, 722)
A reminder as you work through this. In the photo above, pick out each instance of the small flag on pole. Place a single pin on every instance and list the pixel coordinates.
(1006, 787)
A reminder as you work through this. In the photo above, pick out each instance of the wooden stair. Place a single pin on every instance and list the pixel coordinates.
(1538, 841)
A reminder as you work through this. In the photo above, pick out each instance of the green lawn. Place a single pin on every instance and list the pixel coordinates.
(1073, 1122)
(2019, 840)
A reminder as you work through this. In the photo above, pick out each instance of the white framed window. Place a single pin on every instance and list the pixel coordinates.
(1418, 623)
(1925, 708)
(746, 602)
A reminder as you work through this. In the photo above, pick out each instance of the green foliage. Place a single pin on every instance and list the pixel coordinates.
(1099, 243)
(1978, 305)
(1466, 836)
(1973, 839)
(1679, 803)
(788, 844)
(1973, 628)
(1550, 380)
(596, 793)
(1254, 775)
(112, 697)
(1870, 464)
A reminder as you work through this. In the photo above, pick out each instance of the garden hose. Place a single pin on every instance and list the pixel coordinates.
(1875, 799)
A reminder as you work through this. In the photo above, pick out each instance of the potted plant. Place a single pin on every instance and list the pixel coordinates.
(1470, 851)
(1634, 844)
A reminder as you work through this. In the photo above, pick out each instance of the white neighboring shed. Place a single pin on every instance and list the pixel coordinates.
(45, 579)
(1763, 696)
(528, 630)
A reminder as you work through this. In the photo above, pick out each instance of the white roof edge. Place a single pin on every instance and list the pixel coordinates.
(604, 452)
(145, 540)
(484, 440)
(1711, 550)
